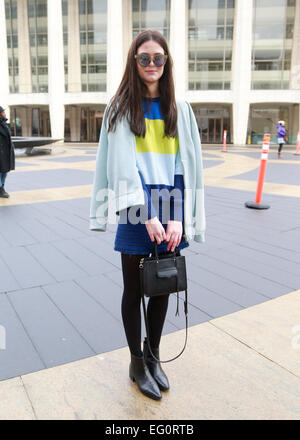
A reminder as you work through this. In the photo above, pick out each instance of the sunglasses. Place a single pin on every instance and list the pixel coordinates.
(144, 60)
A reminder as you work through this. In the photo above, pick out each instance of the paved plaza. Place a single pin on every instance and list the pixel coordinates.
(63, 350)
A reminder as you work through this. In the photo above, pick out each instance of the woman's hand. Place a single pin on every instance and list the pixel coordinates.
(155, 230)
(174, 233)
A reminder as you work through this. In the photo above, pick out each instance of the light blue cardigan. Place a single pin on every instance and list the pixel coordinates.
(117, 184)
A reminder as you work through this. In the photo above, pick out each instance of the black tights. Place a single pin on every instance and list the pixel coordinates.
(131, 307)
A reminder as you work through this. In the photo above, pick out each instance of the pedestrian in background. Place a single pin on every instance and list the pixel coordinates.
(7, 152)
(149, 142)
(281, 135)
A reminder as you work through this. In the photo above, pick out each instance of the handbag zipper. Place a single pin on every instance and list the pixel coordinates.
(141, 262)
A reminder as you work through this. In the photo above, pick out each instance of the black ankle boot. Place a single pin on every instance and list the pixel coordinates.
(3, 193)
(139, 373)
(155, 367)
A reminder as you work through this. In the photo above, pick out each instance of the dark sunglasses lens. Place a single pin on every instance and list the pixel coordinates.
(159, 60)
(144, 60)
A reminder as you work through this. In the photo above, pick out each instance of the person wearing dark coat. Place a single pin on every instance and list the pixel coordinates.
(7, 152)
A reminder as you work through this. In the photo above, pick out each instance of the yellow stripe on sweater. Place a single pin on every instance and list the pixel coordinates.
(154, 141)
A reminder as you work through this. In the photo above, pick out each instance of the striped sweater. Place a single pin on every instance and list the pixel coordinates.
(160, 170)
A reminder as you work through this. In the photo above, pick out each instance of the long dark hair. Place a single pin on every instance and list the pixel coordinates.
(127, 102)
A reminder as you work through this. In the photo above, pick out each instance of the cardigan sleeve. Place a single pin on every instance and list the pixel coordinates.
(99, 199)
(198, 211)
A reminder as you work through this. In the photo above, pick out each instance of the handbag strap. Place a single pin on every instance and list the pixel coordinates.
(186, 329)
(177, 313)
(155, 253)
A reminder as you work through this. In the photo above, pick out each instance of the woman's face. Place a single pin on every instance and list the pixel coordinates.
(151, 73)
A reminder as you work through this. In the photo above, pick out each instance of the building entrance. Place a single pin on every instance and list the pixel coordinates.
(91, 121)
(211, 130)
(263, 118)
(212, 121)
(30, 121)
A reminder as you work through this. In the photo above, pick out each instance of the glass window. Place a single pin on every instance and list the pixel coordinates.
(64, 6)
(41, 9)
(93, 44)
(12, 44)
(15, 122)
(268, 31)
(38, 37)
(210, 21)
(273, 29)
(65, 39)
(154, 14)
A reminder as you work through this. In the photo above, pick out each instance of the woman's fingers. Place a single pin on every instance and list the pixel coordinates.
(172, 242)
(160, 235)
(158, 238)
(155, 230)
(151, 236)
(173, 235)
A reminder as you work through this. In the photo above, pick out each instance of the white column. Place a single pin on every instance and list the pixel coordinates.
(295, 64)
(74, 61)
(127, 28)
(26, 120)
(25, 79)
(74, 113)
(56, 80)
(114, 45)
(241, 68)
(178, 45)
(4, 83)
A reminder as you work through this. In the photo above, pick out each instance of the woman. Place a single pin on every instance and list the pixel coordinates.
(281, 133)
(148, 161)
(7, 152)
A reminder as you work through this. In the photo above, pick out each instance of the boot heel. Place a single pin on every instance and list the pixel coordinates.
(131, 374)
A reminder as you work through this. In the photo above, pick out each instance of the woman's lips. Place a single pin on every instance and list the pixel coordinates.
(150, 71)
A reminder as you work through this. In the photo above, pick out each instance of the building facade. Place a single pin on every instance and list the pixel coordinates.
(236, 61)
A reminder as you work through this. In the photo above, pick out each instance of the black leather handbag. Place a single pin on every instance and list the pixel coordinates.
(161, 275)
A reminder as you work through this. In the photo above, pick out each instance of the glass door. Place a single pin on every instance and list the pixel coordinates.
(91, 126)
(98, 126)
(91, 121)
(203, 130)
(84, 125)
(215, 130)
(210, 130)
